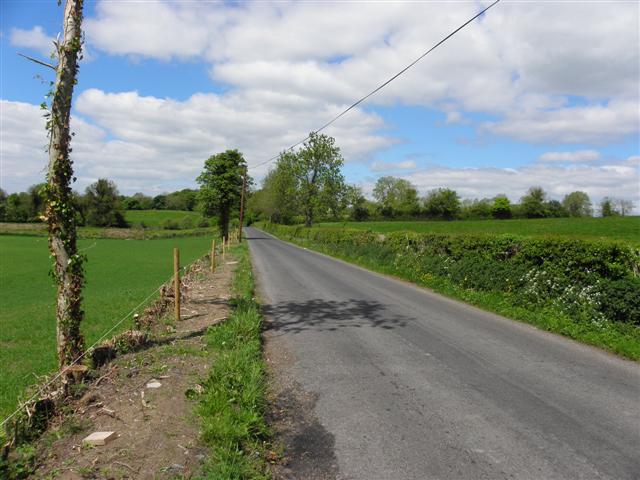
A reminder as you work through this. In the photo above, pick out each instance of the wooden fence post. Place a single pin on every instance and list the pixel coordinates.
(176, 282)
(213, 255)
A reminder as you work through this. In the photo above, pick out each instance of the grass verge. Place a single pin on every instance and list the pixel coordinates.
(233, 404)
(620, 338)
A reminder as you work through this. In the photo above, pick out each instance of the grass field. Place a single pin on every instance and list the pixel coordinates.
(156, 218)
(613, 228)
(119, 273)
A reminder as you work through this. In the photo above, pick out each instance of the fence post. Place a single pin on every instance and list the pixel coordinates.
(176, 281)
(213, 255)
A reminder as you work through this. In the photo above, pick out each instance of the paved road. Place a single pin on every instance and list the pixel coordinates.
(412, 385)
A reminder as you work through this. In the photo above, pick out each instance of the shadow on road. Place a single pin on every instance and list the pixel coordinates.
(330, 315)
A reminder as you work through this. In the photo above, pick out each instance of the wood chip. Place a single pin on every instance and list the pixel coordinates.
(153, 383)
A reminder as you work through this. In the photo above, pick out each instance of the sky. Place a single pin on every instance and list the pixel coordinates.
(543, 93)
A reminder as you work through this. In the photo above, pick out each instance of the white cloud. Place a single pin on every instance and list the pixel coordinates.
(388, 166)
(619, 180)
(153, 144)
(578, 156)
(34, 39)
(519, 62)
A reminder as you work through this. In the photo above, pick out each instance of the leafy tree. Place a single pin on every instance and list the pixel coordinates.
(316, 170)
(396, 196)
(138, 201)
(476, 209)
(277, 199)
(102, 205)
(355, 203)
(555, 209)
(577, 204)
(501, 208)
(442, 203)
(185, 199)
(533, 203)
(3, 205)
(159, 202)
(606, 207)
(36, 201)
(221, 186)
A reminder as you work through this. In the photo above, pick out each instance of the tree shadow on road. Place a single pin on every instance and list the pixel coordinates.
(330, 315)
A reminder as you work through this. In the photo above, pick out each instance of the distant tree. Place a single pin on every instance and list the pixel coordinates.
(577, 204)
(623, 207)
(442, 203)
(3, 205)
(36, 201)
(533, 203)
(185, 199)
(355, 203)
(501, 208)
(278, 199)
(220, 186)
(396, 196)
(606, 207)
(476, 209)
(17, 207)
(102, 205)
(316, 169)
(137, 201)
(159, 202)
(555, 209)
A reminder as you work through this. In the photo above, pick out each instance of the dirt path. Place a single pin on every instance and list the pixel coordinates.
(157, 427)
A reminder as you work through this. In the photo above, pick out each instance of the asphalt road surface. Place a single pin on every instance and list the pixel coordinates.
(412, 385)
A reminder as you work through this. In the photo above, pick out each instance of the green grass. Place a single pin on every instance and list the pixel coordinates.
(612, 228)
(233, 403)
(119, 273)
(156, 218)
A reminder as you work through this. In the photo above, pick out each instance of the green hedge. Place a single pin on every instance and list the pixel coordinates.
(590, 281)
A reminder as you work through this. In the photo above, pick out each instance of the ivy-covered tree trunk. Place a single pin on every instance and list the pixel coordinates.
(59, 210)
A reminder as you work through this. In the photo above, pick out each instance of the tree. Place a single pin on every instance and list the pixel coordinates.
(278, 198)
(102, 205)
(606, 207)
(59, 208)
(316, 169)
(623, 207)
(577, 204)
(159, 202)
(533, 203)
(442, 203)
(396, 196)
(501, 208)
(355, 203)
(3, 205)
(555, 209)
(220, 186)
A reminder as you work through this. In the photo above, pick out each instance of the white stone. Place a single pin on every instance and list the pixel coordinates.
(153, 383)
(100, 438)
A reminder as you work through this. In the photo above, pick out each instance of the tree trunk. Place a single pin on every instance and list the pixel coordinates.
(59, 210)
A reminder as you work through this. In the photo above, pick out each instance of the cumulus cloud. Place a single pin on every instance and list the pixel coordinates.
(159, 144)
(34, 39)
(578, 156)
(619, 180)
(517, 63)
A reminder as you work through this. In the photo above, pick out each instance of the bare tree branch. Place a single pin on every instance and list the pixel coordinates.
(40, 62)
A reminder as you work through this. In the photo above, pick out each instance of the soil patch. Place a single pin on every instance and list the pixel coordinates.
(157, 429)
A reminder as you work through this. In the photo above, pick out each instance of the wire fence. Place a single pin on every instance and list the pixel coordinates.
(43, 388)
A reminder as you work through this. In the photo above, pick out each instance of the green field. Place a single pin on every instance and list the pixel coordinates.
(612, 228)
(119, 273)
(156, 218)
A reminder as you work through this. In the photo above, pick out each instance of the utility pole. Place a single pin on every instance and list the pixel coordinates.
(244, 187)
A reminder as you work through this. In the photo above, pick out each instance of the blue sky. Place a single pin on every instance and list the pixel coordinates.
(519, 98)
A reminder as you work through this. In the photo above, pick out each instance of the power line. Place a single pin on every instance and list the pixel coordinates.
(380, 87)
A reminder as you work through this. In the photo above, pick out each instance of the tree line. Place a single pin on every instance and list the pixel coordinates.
(307, 185)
